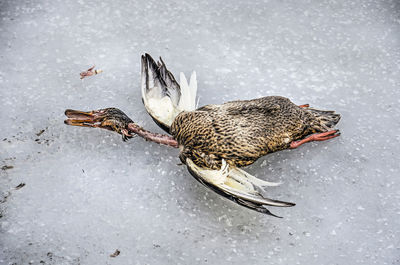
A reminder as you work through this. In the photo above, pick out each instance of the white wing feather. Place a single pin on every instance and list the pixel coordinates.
(236, 182)
(163, 98)
(187, 101)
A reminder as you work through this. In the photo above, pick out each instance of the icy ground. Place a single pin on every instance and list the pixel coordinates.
(87, 193)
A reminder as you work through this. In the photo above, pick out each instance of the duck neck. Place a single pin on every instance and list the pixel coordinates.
(154, 137)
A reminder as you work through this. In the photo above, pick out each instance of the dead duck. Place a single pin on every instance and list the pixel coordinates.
(215, 141)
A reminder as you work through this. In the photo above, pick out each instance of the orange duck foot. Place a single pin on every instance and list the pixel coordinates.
(316, 137)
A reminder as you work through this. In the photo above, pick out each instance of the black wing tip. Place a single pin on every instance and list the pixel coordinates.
(268, 212)
(287, 204)
(147, 58)
(162, 62)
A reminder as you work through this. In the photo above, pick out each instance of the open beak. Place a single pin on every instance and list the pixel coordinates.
(81, 118)
(111, 119)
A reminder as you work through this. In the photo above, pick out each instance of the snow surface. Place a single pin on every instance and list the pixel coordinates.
(88, 193)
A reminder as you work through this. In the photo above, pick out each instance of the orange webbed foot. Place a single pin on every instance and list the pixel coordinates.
(316, 137)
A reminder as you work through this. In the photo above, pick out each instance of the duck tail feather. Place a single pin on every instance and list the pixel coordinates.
(327, 119)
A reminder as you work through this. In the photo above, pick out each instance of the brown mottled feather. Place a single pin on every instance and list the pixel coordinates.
(242, 131)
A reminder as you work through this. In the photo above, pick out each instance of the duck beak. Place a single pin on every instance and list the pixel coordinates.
(80, 118)
(111, 119)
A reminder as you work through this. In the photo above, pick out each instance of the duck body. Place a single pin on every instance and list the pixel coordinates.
(215, 141)
(242, 131)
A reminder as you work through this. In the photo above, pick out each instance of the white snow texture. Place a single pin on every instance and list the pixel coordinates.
(88, 193)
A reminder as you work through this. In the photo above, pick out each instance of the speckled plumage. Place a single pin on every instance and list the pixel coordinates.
(242, 131)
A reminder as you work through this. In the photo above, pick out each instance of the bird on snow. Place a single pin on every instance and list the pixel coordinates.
(216, 141)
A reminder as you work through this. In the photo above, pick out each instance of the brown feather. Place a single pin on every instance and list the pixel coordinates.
(242, 131)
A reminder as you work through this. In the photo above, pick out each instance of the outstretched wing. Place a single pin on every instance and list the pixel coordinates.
(236, 185)
(162, 96)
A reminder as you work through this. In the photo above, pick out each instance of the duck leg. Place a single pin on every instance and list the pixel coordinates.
(304, 106)
(115, 120)
(315, 137)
